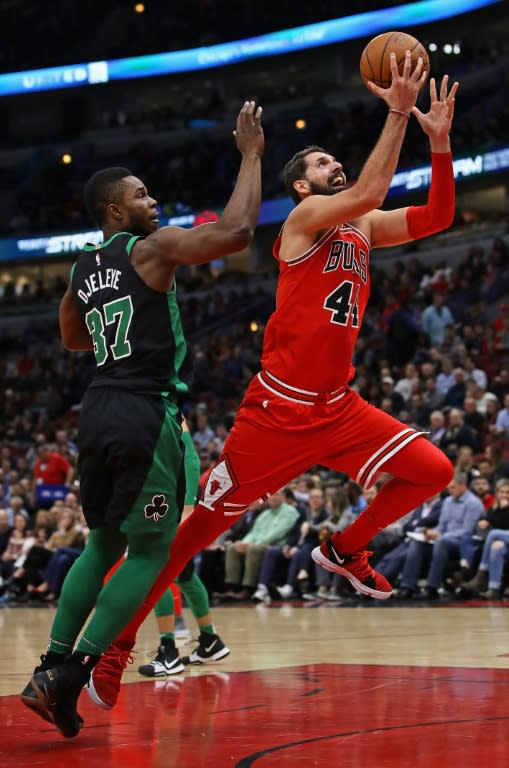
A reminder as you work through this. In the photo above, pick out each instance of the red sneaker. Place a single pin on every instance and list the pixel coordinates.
(355, 567)
(104, 685)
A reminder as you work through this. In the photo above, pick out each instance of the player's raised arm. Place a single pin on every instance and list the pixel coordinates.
(418, 221)
(318, 212)
(235, 228)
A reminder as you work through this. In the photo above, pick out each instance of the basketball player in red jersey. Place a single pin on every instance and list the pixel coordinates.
(299, 410)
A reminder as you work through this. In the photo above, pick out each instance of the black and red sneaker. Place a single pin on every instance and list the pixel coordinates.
(57, 692)
(354, 567)
(30, 698)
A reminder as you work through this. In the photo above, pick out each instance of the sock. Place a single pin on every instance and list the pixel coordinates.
(420, 471)
(55, 658)
(167, 636)
(82, 665)
(208, 629)
(196, 595)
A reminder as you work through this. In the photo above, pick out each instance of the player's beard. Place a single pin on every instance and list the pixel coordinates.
(323, 189)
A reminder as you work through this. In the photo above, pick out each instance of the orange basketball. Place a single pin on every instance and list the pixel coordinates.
(375, 63)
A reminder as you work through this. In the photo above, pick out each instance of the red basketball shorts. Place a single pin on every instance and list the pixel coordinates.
(280, 432)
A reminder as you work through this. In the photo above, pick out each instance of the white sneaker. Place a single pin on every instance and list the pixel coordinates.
(285, 591)
(262, 593)
(166, 662)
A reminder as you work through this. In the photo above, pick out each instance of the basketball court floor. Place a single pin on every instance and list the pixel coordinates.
(376, 685)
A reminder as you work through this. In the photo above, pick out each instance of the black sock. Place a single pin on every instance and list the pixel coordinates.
(82, 664)
(54, 659)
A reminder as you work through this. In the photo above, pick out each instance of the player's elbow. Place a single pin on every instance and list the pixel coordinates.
(369, 198)
(75, 344)
(245, 235)
(237, 238)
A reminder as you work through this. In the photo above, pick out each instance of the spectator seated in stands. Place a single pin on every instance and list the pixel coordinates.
(425, 517)
(456, 434)
(471, 544)
(494, 535)
(17, 548)
(459, 515)
(331, 586)
(465, 463)
(28, 577)
(211, 560)
(294, 554)
(5, 531)
(61, 560)
(500, 430)
(244, 558)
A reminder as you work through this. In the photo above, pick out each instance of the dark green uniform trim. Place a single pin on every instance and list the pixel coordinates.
(98, 246)
(131, 243)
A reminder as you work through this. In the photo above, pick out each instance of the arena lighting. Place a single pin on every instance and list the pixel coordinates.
(300, 124)
(66, 159)
(139, 8)
(273, 44)
(271, 211)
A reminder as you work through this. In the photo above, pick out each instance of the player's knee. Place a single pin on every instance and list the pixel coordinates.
(439, 470)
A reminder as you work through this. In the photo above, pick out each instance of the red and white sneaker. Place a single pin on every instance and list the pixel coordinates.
(104, 685)
(354, 567)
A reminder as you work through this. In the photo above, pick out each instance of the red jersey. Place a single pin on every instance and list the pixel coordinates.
(320, 302)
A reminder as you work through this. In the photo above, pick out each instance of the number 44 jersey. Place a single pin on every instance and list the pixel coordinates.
(321, 298)
(136, 331)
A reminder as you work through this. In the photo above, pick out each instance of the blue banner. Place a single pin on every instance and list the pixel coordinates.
(271, 211)
(272, 44)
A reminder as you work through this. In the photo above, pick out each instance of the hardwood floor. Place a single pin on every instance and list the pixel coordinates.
(305, 684)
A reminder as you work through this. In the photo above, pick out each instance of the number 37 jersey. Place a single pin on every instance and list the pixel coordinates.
(136, 331)
(321, 297)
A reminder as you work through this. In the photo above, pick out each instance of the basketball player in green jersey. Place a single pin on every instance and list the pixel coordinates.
(122, 304)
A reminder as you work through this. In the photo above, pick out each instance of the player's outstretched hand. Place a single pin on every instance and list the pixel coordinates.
(249, 132)
(437, 122)
(404, 88)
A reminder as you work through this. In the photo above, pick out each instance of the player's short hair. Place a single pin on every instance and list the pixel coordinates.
(296, 169)
(102, 188)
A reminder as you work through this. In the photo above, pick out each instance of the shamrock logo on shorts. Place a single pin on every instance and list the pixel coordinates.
(157, 509)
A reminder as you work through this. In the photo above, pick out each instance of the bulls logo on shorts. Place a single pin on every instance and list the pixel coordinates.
(220, 484)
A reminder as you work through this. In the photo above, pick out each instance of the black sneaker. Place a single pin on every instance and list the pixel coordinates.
(209, 648)
(166, 662)
(29, 697)
(57, 692)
